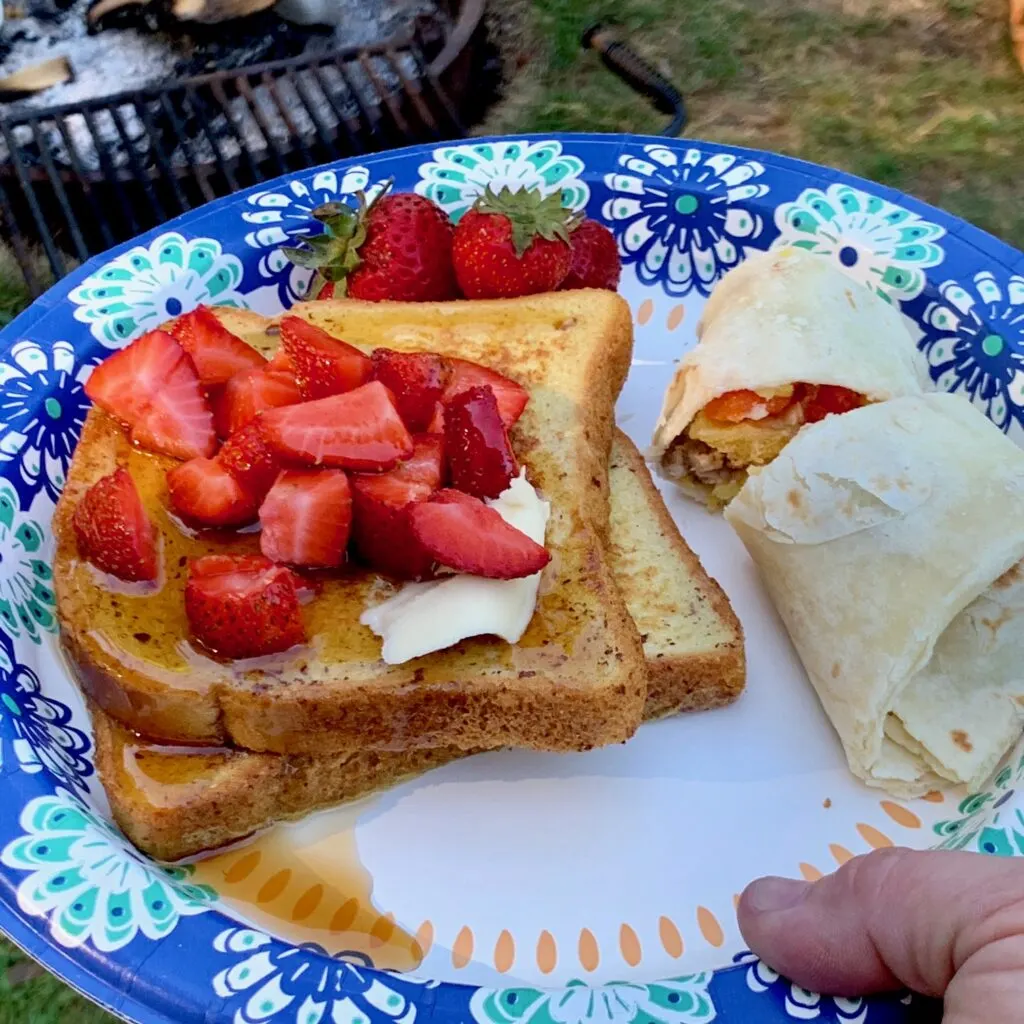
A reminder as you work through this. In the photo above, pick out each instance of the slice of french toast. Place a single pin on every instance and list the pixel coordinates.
(174, 804)
(575, 680)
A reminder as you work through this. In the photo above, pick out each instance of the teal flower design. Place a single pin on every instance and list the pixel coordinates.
(988, 822)
(147, 285)
(884, 246)
(459, 174)
(89, 883)
(27, 604)
(683, 1000)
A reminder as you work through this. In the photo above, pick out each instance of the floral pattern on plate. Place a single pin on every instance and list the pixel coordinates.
(884, 246)
(989, 822)
(147, 285)
(974, 343)
(27, 604)
(90, 885)
(44, 738)
(282, 217)
(459, 174)
(302, 984)
(680, 216)
(42, 408)
(683, 1000)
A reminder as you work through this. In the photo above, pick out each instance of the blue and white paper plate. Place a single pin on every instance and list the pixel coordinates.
(595, 887)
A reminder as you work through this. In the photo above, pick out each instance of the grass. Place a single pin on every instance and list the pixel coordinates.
(921, 95)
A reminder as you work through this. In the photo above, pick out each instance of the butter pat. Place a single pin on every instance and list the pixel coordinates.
(426, 617)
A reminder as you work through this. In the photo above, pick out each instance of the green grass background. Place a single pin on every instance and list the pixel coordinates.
(921, 95)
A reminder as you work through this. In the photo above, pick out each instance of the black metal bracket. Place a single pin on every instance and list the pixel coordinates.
(638, 74)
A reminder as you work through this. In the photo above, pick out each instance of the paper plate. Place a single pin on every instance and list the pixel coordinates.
(591, 887)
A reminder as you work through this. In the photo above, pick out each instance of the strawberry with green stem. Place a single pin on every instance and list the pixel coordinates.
(396, 247)
(513, 243)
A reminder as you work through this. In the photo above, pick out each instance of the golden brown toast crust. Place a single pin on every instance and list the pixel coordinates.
(173, 804)
(574, 681)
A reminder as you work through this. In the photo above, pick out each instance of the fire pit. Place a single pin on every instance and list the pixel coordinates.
(211, 109)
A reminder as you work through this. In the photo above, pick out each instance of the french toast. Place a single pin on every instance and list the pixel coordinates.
(173, 804)
(575, 680)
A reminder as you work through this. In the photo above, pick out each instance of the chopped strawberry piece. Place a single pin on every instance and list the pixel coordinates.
(248, 458)
(306, 517)
(357, 430)
(464, 534)
(480, 457)
(245, 610)
(248, 394)
(203, 492)
(178, 420)
(324, 365)
(436, 424)
(217, 353)
(512, 397)
(218, 565)
(737, 406)
(113, 531)
(124, 383)
(281, 361)
(326, 291)
(381, 530)
(415, 379)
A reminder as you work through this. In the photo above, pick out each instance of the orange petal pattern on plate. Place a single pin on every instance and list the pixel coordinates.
(841, 853)
(671, 940)
(382, 930)
(810, 872)
(675, 317)
(589, 953)
(643, 313)
(504, 952)
(274, 886)
(425, 937)
(345, 915)
(934, 797)
(901, 815)
(462, 948)
(307, 902)
(709, 927)
(875, 839)
(629, 946)
(243, 867)
(547, 952)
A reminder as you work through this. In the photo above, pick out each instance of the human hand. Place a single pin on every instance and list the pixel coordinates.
(949, 925)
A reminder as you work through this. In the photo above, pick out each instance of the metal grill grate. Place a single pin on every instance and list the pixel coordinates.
(79, 178)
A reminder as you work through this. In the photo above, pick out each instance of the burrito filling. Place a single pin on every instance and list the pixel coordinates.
(741, 429)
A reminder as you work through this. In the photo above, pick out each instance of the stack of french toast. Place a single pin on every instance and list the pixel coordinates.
(302, 558)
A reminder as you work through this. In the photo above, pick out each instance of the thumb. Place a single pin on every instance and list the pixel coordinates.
(942, 924)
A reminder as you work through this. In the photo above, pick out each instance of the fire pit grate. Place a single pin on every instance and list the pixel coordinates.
(78, 178)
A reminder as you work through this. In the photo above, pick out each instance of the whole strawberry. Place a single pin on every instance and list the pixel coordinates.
(398, 247)
(595, 258)
(513, 243)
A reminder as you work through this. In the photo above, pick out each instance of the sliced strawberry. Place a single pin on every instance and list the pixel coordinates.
(248, 458)
(178, 421)
(480, 457)
(245, 610)
(464, 534)
(203, 492)
(124, 384)
(436, 424)
(216, 353)
(358, 430)
(281, 361)
(306, 518)
(326, 291)
(415, 379)
(113, 531)
(248, 394)
(381, 530)
(324, 365)
(512, 397)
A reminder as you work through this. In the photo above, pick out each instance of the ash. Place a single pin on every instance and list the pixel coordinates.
(115, 59)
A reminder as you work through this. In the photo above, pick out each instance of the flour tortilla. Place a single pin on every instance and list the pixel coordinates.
(786, 316)
(890, 540)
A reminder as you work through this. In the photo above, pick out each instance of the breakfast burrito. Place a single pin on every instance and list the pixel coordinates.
(890, 540)
(785, 339)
